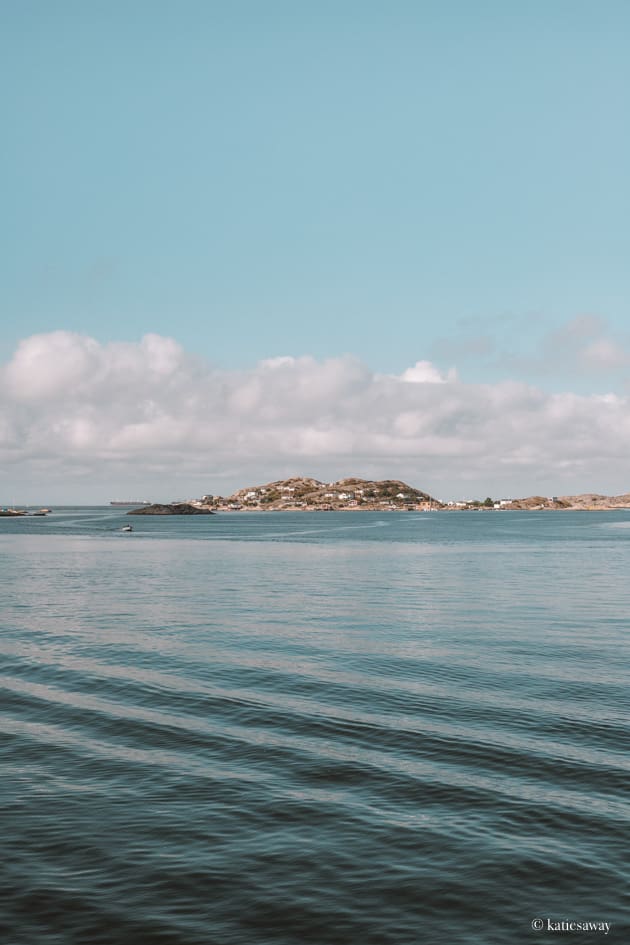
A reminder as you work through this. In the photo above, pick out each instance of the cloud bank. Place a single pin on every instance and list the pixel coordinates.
(83, 418)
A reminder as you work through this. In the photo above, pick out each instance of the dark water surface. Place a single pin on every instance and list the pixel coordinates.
(328, 728)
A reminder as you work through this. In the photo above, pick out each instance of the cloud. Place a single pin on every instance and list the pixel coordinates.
(423, 372)
(74, 409)
(579, 350)
(605, 354)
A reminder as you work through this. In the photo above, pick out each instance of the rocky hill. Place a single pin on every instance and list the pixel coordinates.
(587, 501)
(172, 508)
(303, 493)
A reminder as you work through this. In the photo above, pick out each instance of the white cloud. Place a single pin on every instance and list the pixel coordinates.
(423, 372)
(104, 416)
(605, 354)
(45, 366)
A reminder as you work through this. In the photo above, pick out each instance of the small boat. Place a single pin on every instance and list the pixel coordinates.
(127, 528)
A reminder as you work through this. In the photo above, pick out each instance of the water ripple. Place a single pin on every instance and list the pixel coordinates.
(328, 732)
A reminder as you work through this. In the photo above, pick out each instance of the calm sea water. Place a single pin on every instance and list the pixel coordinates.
(327, 728)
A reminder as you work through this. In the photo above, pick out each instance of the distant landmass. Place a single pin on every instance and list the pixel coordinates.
(352, 493)
(587, 501)
(302, 493)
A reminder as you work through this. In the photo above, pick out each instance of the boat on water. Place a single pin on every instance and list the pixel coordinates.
(11, 512)
(129, 502)
(127, 528)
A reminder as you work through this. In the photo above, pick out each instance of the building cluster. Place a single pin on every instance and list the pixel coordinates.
(301, 494)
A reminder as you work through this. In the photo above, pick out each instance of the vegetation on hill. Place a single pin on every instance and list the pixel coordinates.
(351, 493)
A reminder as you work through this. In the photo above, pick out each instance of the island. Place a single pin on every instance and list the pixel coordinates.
(172, 508)
(304, 494)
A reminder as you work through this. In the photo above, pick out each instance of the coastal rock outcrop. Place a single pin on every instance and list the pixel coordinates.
(173, 508)
(586, 502)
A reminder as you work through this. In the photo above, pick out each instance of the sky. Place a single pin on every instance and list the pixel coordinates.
(248, 240)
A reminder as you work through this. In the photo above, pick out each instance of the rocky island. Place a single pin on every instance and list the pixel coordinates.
(303, 494)
(172, 508)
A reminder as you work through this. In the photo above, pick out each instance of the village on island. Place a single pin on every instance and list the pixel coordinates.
(303, 494)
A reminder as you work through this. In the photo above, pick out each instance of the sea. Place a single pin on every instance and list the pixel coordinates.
(326, 728)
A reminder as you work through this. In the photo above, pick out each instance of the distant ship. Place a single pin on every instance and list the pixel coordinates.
(130, 502)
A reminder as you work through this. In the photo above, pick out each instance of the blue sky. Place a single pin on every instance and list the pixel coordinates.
(288, 178)
(397, 182)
